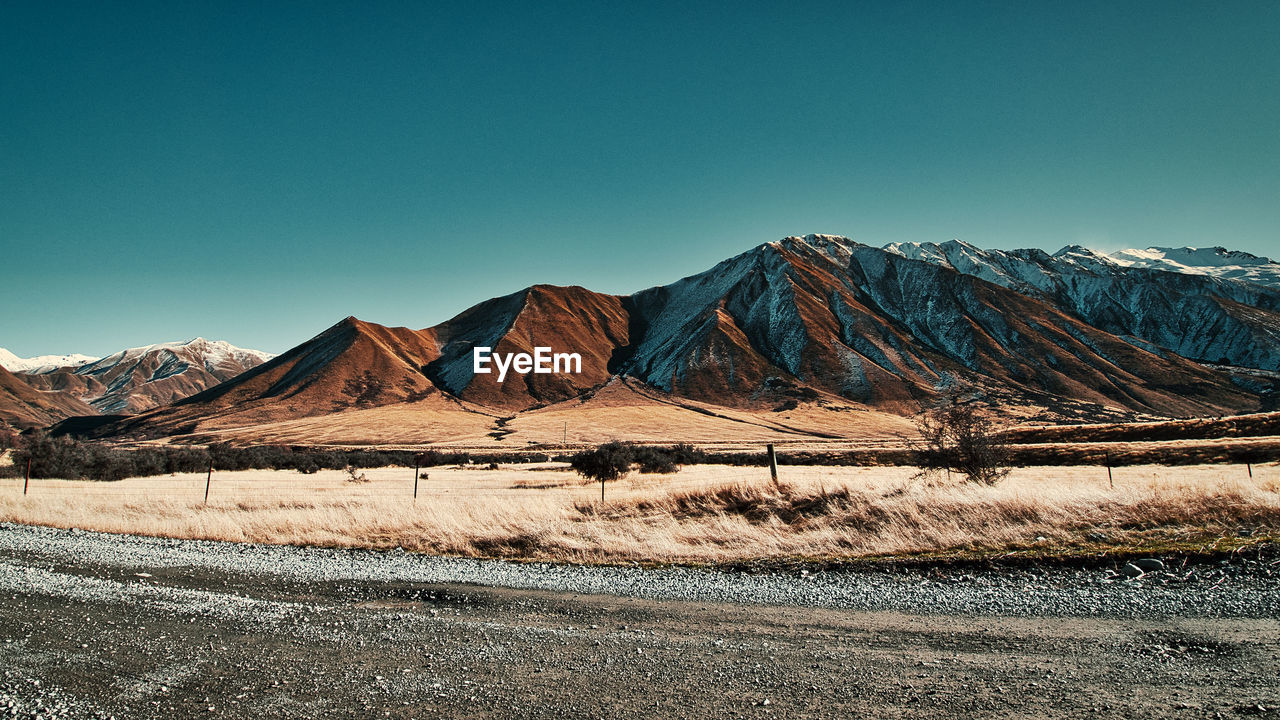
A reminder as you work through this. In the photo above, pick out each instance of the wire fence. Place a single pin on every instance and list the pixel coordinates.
(398, 484)
(286, 484)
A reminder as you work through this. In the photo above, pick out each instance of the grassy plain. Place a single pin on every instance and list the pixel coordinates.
(703, 514)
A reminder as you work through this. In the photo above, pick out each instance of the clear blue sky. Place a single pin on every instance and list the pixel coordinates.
(255, 172)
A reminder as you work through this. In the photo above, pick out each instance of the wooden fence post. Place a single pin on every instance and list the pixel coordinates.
(28, 480)
(773, 464)
(1109, 479)
(207, 481)
(415, 480)
(1249, 467)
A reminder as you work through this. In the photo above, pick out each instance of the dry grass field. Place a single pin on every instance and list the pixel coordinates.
(703, 514)
(614, 412)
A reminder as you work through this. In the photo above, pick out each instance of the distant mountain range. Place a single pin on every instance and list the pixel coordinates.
(42, 363)
(805, 322)
(1216, 262)
(126, 382)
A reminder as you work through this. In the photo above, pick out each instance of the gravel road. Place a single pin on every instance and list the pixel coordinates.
(98, 626)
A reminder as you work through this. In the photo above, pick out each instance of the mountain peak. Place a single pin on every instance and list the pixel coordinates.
(41, 363)
(833, 247)
(1214, 262)
(818, 240)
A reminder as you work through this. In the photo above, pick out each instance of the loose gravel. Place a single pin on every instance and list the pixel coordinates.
(96, 626)
(1245, 585)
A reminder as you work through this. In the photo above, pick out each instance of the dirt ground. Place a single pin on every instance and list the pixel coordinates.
(144, 640)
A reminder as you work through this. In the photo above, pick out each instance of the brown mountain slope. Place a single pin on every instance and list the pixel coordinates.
(23, 406)
(885, 330)
(565, 319)
(786, 324)
(142, 378)
(353, 364)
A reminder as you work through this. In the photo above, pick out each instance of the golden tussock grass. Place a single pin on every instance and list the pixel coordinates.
(703, 514)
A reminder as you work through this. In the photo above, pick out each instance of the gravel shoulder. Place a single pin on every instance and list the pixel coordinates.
(97, 625)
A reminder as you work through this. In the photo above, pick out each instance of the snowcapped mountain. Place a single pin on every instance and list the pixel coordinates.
(212, 355)
(1200, 316)
(141, 378)
(817, 319)
(41, 363)
(1215, 261)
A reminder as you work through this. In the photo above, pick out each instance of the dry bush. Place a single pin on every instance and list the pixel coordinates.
(958, 436)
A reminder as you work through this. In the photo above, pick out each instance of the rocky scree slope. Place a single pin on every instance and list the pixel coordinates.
(1200, 316)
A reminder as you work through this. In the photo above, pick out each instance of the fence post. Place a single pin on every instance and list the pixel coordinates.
(773, 463)
(415, 480)
(1109, 480)
(1249, 467)
(27, 482)
(207, 480)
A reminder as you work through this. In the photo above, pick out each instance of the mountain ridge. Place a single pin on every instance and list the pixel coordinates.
(1214, 261)
(40, 363)
(1198, 316)
(807, 325)
(140, 378)
(818, 321)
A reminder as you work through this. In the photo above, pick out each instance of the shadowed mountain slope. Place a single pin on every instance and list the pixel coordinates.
(808, 320)
(882, 329)
(23, 406)
(1218, 319)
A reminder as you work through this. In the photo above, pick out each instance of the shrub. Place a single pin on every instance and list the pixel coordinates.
(686, 454)
(51, 457)
(435, 457)
(607, 462)
(655, 459)
(957, 436)
(109, 465)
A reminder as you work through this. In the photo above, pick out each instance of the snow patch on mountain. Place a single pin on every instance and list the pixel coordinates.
(1215, 261)
(213, 353)
(41, 363)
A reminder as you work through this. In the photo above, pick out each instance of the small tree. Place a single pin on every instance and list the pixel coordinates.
(608, 462)
(956, 436)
